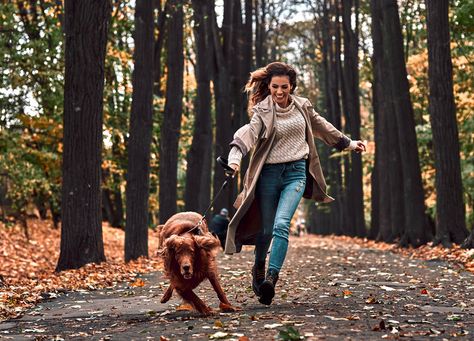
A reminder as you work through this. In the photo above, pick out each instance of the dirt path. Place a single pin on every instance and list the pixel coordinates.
(328, 290)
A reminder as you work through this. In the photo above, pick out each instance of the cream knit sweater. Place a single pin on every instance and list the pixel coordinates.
(290, 140)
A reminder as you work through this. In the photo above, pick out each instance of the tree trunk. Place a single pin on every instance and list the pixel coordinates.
(416, 232)
(246, 67)
(86, 25)
(450, 223)
(198, 173)
(158, 48)
(387, 197)
(261, 53)
(117, 202)
(355, 197)
(332, 216)
(224, 132)
(170, 130)
(139, 142)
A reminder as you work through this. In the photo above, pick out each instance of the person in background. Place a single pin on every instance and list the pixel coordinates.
(283, 168)
(219, 225)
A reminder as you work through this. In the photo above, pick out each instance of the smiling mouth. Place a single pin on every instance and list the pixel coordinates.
(187, 275)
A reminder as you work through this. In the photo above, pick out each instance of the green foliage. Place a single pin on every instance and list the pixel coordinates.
(290, 334)
(31, 89)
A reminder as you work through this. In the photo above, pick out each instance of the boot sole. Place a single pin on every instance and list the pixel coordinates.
(267, 292)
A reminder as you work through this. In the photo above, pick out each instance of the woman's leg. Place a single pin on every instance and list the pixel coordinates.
(294, 182)
(289, 200)
(267, 194)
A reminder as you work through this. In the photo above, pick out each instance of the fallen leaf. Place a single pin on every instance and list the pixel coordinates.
(137, 283)
(272, 326)
(218, 335)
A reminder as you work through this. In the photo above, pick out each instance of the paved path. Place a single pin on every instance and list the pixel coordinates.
(327, 291)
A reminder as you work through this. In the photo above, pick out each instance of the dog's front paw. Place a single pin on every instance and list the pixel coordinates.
(207, 312)
(227, 308)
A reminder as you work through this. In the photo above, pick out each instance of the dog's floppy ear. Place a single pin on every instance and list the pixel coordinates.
(207, 241)
(167, 246)
(172, 242)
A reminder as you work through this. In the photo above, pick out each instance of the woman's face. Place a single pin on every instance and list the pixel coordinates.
(280, 90)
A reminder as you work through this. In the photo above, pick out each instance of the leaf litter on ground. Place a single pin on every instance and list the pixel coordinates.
(28, 266)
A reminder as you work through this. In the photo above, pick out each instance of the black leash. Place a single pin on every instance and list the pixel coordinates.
(229, 173)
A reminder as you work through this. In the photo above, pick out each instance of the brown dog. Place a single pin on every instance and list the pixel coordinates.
(189, 258)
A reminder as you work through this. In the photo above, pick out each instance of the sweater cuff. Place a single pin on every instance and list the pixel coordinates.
(239, 143)
(235, 156)
(343, 143)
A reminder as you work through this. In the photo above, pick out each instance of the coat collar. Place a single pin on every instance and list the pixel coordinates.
(266, 111)
(267, 104)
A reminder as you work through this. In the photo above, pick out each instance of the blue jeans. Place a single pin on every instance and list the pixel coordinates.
(279, 191)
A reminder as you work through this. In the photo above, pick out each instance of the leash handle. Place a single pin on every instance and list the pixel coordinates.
(229, 171)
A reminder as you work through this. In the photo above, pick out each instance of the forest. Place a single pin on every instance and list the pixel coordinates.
(114, 111)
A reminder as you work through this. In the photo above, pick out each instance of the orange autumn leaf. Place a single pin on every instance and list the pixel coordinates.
(138, 283)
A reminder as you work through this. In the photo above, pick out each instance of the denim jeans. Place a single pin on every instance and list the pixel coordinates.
(279, 190)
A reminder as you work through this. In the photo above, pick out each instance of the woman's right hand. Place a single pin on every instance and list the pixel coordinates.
(235, 167)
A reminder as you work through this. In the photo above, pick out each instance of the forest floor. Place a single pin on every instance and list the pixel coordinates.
(331, 288)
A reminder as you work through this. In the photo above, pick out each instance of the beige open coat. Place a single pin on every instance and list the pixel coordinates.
(259, 135)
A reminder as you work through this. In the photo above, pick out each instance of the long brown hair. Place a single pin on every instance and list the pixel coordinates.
(257, 85)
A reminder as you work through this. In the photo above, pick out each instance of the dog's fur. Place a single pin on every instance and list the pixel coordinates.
(189, 258)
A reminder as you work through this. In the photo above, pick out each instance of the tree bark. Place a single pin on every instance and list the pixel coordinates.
(158, 48)
(222, 91)
(332, 215)
(389, 184)
(416, 232)
(450, 223)
(198, 173)
(355, 195)
(170, 130)
(86, 25)
(261, 53)
(139, 142)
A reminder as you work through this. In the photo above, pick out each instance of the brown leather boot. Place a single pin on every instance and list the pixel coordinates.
(267, 288)
(258, 276)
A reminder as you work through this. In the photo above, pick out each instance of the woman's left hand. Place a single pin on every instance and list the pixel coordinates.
(357, 146)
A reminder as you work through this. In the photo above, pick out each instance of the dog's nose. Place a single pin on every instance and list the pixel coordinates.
(186, 267)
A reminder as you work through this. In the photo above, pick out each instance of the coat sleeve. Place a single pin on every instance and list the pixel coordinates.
(247, 136)
(325, 131)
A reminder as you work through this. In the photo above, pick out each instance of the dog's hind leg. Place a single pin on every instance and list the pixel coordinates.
(224, 302)
(200, 306)
(167, 295)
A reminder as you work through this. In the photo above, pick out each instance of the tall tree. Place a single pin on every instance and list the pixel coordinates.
(198, 172)
(331, 53)
(389, 185)
(171, 125)
(355, 195)
(450, 223)
(139, 142)
(416, 232)
(261, 53)
(86, 25)
(245, 61)
(222, 47)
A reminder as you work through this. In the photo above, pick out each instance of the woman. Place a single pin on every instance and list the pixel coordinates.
(283, 168)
